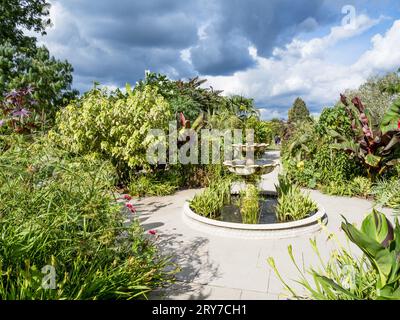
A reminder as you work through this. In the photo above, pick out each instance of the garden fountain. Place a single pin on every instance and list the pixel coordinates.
(250, 161)
(250, 166)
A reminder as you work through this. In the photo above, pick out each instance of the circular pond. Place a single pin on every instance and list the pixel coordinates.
(229, 222)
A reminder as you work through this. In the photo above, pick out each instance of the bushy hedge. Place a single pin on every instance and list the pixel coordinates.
(309, 158)
(115, 126)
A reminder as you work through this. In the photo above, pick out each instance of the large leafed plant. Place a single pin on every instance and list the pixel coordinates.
(377, 148)
(373, 276)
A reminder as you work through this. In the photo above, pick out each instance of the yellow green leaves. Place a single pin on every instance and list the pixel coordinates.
(114, 125)
(250, 207)
(292, 203)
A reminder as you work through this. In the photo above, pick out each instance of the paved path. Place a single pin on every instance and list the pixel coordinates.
(214, 267)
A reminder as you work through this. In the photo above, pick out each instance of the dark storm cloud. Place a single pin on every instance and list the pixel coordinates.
(264, 24)
(216, 56)
(129, 65)
(115, 41)
(147, 23)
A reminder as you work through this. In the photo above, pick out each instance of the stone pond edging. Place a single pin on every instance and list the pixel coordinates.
(305, 226)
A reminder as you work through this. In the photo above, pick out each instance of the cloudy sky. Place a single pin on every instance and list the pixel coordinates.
(270, 50)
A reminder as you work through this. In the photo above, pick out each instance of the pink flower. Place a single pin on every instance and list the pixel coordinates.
(22, 113)
(131, 207)
(398, 124)
(152, 232)
(127, 197)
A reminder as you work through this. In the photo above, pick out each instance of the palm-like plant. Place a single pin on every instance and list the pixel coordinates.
(241, 107)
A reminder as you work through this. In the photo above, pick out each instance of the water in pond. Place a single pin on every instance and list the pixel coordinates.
(231, 213)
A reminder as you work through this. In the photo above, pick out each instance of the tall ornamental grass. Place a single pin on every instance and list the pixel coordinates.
(59, 217)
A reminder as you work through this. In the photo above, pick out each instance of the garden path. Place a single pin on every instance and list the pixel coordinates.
(214, 267)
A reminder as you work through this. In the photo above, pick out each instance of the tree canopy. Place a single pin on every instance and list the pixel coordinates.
(23, 63)
(298, 112)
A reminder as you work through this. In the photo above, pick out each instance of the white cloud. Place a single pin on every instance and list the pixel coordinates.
(269, 114)
(385, 53)
(301, 68)
(313, 47)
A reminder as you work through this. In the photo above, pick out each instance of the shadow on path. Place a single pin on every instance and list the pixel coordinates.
(193, 261)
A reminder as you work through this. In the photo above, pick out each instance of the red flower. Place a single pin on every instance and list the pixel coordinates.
(152, 232)
(131, 207)
(127, 197)
(398, 125)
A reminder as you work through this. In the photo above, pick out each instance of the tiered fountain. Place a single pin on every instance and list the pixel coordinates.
(246, 165)
(249, 166)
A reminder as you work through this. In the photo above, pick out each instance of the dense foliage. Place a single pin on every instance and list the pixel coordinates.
(17, 15)
(50, 78)
(113, 126)
(123, 122)
(24, 64)
(377, 148)
(292, 203)
(298, 112)
(373, 276)
(308, 156)
(59, 211)
(344, 152)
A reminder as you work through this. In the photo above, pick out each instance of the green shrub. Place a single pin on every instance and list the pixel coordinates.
(336, 188)
(310, 160)
(387, 192)
(353, 274)
(335, 118)
(262, 130)
(60, 211)
(373, 276)
(115, 126)
(292, 203)
(210, 201)
(361, 186)
(161, 183)
(249, 205)
(196, 176)
(334, 165)
(147, 186)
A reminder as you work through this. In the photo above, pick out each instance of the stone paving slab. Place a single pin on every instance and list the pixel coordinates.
(192, 291)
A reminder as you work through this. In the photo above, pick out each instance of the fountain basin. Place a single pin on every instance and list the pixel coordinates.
(259, 147)
(240, 167)
(305, 226)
